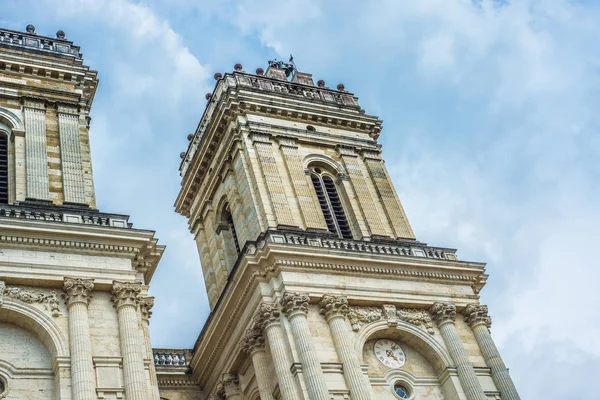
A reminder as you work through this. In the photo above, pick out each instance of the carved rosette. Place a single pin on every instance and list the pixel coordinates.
(477, 314)
(230, 384)
(146, 304)
(334, 306)
(266, 315)
(443, 312)
(294, 303)
(252, 341)
(77, 290)
(126, 293)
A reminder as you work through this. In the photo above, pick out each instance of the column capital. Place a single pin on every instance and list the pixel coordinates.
(443, 312)
(146, 304)
(266, 315)
(231, 384)
(294, 303)
(476, 314)
(334, 306)
(126, 293)
(77, 290)
(253, 341)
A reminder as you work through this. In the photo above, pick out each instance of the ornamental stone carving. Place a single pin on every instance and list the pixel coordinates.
(146, 304)
(50, 300)
(362, 315)
(266, 315)
(252, 341)
(126, 293)
(292, 303)
(332, 306)
(231, 384)
(2, 287)
(77, 290)
(477, 314)
(443, 312)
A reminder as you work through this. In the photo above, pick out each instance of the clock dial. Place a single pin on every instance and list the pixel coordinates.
(389, 353)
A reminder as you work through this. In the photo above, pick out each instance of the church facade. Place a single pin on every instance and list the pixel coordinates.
(317, 285)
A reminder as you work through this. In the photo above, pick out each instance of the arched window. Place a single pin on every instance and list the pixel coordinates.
(4, 175)
(227, 224)
(330, 202)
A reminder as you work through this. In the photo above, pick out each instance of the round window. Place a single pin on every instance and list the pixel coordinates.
(401, 391)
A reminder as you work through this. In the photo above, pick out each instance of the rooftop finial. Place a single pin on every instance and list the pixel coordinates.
(288, 67)
(30, 28)
(61, 35)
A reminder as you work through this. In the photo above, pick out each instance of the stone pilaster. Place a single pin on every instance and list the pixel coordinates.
(267, 318)
(77, 295)
(253, 344)
(36, 154)
(125, 295)
(146, 305)
(335, 309)
(444, 315)
(295, 307)
(479, 321)
(231, 386)
(70, 153)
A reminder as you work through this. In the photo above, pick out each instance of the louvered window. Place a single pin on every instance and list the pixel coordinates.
(331, 204)
(228, 219)
(3, 168)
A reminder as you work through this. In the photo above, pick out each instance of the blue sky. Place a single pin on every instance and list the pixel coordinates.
(491, 135)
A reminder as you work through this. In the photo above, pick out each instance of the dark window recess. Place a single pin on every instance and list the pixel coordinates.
(323, 202)
(3, 169)
(331, 205)
(338, 209)
(229, 220)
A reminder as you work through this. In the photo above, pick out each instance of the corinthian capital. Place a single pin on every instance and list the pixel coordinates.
(294, 303)
(126, 293)
(253, 340)
(334, 306)
(477, 314)
(266, 315)
(231, 384)
(77, 290)
(146, 304)
(443, 312)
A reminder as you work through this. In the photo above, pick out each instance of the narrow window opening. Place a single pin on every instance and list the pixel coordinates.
(3, 169)
(331, 204)
(228, 219)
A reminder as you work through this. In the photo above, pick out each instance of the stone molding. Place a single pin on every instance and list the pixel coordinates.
(334, 306)
(146, 304)
(267, 314)
(69, 244)
(126, 293)
(252, 341)
(294, 303)
(77, 290)
(443, 312)
(50, 300)
(33, 102)
(477, 314)
(363, 315)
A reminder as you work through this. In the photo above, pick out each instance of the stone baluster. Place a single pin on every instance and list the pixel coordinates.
(268, 319)
(444, 315)
(295, 306)
(253, 344)
(479, 321)
(125, 295)
(77, 297)
(230, 387)
(146, 305)
(335, 309)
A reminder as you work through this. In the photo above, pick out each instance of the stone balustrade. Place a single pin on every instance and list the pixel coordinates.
(38, 42)
(172, 357)
(71, 214)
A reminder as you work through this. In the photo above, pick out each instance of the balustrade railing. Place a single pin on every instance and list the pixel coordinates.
(172, 358)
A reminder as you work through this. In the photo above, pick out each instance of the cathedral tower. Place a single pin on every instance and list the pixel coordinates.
(73, 280)
(317, 285)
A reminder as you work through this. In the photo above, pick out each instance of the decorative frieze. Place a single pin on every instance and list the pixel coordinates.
(292, 303)
(443, 312)
(49, 300)
(362, 315)
(477, 314)
(77, 290)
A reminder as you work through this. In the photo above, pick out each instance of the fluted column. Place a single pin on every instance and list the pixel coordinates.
(477, 317)
(335, 309)
(126, 298)
(444, 314)
(230, 387)
(83, 379)
(253, 344)
(146, 305)
(295, 306)
(267, 318)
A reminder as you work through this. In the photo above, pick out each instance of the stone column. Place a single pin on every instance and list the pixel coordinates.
(230, 387)
(444, 315)
(125, 295)
(267, 318)
(335, 309)
(477, 317)
(253, 344)
(77, 297)
(146, 305)
(295, 306)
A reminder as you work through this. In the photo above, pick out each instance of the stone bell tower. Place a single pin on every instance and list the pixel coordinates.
(74, 310)
(317, 285)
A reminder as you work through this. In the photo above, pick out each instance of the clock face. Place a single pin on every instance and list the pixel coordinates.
(389, 353)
